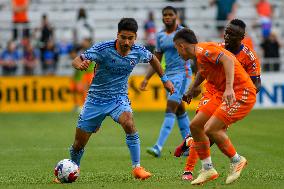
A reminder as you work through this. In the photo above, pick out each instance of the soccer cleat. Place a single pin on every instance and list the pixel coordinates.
(154, 151)
(56, 181)
(236, 169)
(183, 147)
(187, 175)
(140, 173)
(205, 176)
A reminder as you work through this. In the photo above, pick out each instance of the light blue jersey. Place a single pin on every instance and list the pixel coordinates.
(110, 80)
(107, 95)
(174, 63)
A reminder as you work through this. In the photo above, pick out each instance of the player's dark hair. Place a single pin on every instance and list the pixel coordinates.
(128, 24)
(238, 22)
(169, 8)
(187, 35)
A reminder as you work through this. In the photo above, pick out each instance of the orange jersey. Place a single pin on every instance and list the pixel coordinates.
(208, 55)
(248, 59)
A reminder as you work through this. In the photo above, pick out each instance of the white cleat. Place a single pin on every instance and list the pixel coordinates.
(205, 176)
(236, 169)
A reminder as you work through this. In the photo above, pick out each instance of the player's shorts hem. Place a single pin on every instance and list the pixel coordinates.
(87, 128)
(222, 118)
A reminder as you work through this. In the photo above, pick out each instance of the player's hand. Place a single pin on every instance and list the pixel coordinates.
(229, 96)
(143, 85)
(84, 65)
(188, 96)
(169, 87)
(191, 93)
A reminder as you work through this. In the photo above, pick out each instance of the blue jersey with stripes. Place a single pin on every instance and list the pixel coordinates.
(113, 70)
(174, 63)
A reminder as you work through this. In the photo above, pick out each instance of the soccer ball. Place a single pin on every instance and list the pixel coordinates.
(66, 171)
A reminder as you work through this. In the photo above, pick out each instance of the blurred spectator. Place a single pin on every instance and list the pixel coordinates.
(265, 11)
(46, 35)
(50, 58)
(226, 11)
(20, 18)
(83, 28)
(30, 58)
(10, 59)
(271, 52)
(150, 32)
(81, 79)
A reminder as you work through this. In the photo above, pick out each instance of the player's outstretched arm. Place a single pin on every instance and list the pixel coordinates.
(150, 73)
(155, 63)
(194, 90)
(228, 64)
(80, 64)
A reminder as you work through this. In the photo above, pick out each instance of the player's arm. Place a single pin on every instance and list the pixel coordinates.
(80, 64)
(155, 63)
(257, 82)
(150, 72)
(194, 90)
(228, 64)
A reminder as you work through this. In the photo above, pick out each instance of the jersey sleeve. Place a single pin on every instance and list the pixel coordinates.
(94, 53)
(145, 55)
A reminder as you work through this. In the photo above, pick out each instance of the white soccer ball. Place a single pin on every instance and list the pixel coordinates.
(66, 171)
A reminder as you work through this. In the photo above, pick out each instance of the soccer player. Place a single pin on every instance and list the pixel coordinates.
(179, 72)
(234, 97)
(234, 34)
(107, 95)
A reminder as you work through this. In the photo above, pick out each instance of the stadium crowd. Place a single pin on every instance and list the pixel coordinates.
(38, 51)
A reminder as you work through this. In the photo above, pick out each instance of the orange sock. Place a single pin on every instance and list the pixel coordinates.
(202, 148)
(191, 159)
(227, 148)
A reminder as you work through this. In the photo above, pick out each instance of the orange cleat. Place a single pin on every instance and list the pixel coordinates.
(56, 181)
(140, 173)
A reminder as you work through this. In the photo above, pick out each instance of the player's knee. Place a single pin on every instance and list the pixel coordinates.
(194, 127)
(128, 125)
(209, 132)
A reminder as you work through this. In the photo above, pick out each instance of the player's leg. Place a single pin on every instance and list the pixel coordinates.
(89, 122)
(183, 121)
(122, 113)
(224, 116)
(77, 148)
(166, 129)
(182, 116)
(202, 146)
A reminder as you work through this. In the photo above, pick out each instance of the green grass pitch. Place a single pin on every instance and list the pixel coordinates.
(32, 143)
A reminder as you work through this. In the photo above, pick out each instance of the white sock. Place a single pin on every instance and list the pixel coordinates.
(207, 163)
(236, 158)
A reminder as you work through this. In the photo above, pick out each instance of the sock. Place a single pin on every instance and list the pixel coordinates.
(133, 143)
(166, 129)
(76, 155)
(191, 160)
(207, 163)
(203, 150)
(227, 148)
(236, 158)
(183, 124)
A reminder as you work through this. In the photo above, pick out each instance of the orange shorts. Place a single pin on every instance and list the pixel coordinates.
(206, 105)
(245, 100)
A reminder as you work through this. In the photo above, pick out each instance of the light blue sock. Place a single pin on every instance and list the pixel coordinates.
(183, 124)
(133, 143)
(166, 129)
(76, 156)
